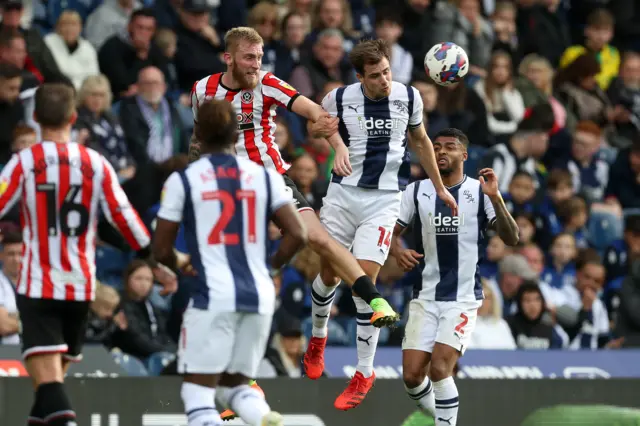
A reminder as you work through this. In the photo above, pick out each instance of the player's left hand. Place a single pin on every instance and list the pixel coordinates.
(167, 278)
(449, 201)
(325, 127)
(489, 182)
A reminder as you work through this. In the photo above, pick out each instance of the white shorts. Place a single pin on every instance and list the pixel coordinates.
(361, 219)
(222, 342)
(450, 323)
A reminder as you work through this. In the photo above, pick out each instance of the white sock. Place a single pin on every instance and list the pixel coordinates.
(447, 402)
(246, 402)
(367, 337)
(321, 300)
(424, 396)
(199, 404)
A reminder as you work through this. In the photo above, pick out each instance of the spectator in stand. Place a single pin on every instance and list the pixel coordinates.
(616, 257)
(503, 102)
(597, 35)
(277, 59)
(325, 64)
(627, 16)
(577, 89)
(492, 331)
(167, 42)
(295, 289)
(503, 21)
(559, 189)
(75, 56)
(13, 51)
(513, 270)
(522, 191)
(521, 152)
(145, 337)
(624, 177)
(574, 216)
(284, 354)
(543, 30)
(151, 124)
(38, 56)
(106, 316)
(389, 28)
(292, 34)
(434, 120)
(496, 251)
(417, 38)
(125, 54)
(11, 109)
(527, 326)
(534, 256)
(526, 228)
(561, 269)
(336, 15)
(535, 84)
(304, 172)
(109, 19)
(461, 22)
(199, 45)
(303, 8)
(104, 133)
(628, 323)
(23, 138)
(9, 317)
(624, 94)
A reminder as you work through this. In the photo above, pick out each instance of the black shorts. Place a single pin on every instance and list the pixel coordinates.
(52, 326)
(301, 202)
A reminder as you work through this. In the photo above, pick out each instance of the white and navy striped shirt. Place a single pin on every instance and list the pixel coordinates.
(453, 246)
(225, 203)
(504, 162)
(375, 131)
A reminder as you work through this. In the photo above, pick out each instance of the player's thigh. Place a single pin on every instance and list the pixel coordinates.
(373, 236)
(250, 344)
(456, 324)
(206, 341)
(421, 328)
(75, 318)
(338, 216)
(300, 201)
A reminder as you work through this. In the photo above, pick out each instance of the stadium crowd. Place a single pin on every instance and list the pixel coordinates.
(571, 176)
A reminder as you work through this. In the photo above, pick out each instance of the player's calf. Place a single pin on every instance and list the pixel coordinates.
(199, 404)
(443, 361)
(246, 402)
(53, 405)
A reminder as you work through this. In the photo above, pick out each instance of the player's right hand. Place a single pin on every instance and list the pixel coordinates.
(409, 259)
(341, 163)
(325, 127)
(167, 278)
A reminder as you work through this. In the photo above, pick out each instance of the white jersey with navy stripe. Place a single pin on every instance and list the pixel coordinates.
(375, 131)
(453, 246)
(225, 204)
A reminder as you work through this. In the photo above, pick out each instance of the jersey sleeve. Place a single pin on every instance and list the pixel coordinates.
(329, 103)
(280, 194)
(195, 102)
(11, 182)
(489, 211)
(119, 212)
(407, 206)
(275, 88)
(416, 116)
(172, 199)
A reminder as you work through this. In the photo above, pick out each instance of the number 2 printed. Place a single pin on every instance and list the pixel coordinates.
(460, 327)
(228, 209)
(385, 237)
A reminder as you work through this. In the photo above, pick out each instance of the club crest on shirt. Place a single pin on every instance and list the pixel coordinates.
(247, 97)
(401, 106)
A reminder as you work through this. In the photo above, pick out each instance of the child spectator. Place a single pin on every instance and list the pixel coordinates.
(559, 189)
(598, 33)
(496, 251)
(304, 172)
(561, 270)
(23, 137)
(504, 28)
(389, 28)
(574, 215)
(527, 227)
(492, 331)
(521, 193)
(105, 315)
(167, 42)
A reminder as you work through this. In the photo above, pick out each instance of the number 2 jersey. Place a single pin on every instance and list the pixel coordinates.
(225, 204)
(60, 188)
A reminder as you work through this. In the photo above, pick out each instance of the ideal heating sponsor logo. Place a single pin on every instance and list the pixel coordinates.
(446, 225)
(378, 127)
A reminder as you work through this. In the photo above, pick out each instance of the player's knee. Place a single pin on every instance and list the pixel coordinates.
(413, 377)
(319, 240)
(440, 369)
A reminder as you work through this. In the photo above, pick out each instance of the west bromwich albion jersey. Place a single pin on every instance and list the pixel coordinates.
(225, 204)
(453, 246)
(375, 132)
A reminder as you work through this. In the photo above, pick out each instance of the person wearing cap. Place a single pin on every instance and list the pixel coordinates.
(524, 149)
(38, 54)
(513, 270)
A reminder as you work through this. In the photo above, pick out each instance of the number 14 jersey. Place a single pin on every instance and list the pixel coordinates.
(60, 188)
(225, 203)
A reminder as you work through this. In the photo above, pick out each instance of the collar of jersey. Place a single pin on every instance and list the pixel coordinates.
(372, 100)
(225, 87)
(464, 178)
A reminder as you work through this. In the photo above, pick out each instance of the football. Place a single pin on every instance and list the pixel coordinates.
(446, 63)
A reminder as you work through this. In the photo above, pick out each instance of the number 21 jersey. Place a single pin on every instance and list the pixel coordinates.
(60, 188)
(225, 203)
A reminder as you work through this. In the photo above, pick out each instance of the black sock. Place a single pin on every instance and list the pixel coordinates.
(54, 404)
(365, 289)
(35, 415)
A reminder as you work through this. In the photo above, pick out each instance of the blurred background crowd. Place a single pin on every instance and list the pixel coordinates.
(572, 182)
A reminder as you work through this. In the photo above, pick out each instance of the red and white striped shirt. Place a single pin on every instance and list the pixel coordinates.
(60, 188)
(255, 112)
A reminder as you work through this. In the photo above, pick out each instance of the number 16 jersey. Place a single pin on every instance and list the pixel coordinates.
(60, 188)
(225, 203)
